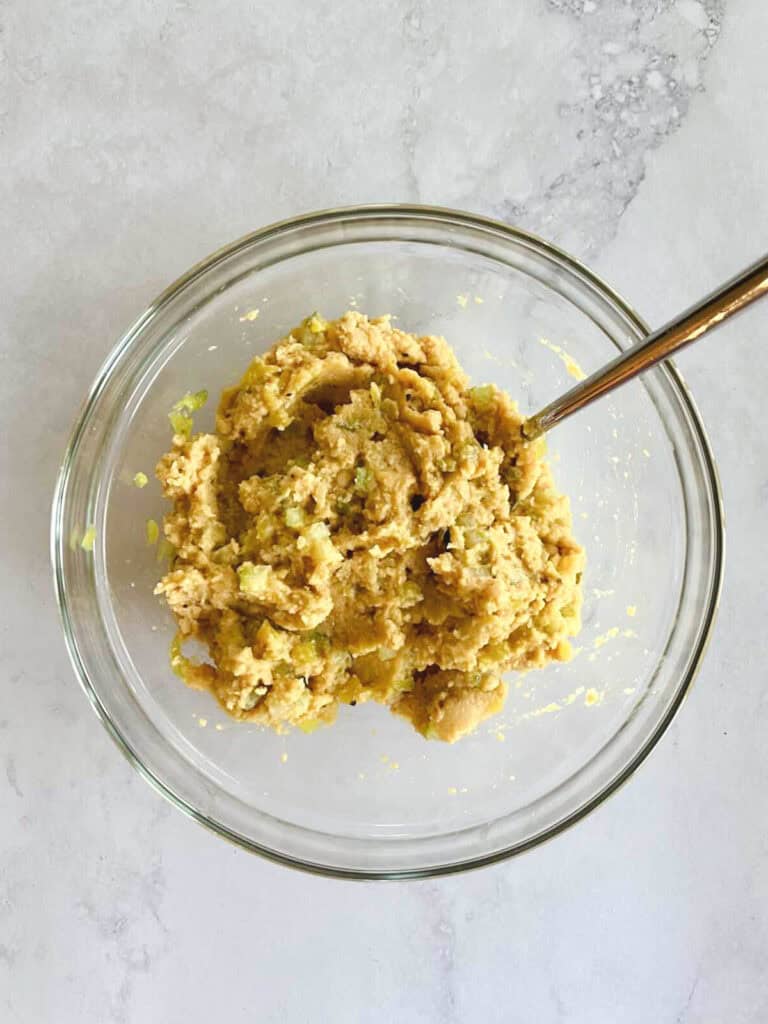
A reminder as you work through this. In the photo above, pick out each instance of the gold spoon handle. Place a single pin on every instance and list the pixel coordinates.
(734, 295)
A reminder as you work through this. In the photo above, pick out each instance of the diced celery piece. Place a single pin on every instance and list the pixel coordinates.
(318, 531)
(363, 479)
(256, 373)
(192, 402)
(483, 395)
(252, 578)
(153, 532)
(473, 537)
(181, 423)
(177, 658)
(304, 651)
(140, 480)
(411, 594)
(309, 726)
(264, 528)
(88, 538)
(165, 551)
(248, 701)
(316, 323)
(294, 518)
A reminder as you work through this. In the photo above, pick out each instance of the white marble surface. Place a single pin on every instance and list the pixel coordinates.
(137, 136)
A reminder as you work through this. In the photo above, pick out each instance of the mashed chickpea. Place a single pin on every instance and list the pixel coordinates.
(362, 526)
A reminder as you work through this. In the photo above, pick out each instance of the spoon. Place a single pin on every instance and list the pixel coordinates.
(710, 312)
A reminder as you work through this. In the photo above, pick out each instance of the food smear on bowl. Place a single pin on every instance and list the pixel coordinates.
(365, 526)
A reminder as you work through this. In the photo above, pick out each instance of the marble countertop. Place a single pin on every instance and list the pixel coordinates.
(139, 138)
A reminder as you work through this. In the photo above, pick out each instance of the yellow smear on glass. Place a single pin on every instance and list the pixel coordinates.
(570, 364)
(283, 757)
(599, 641)
(631, 610)
(572, 697)
(549, 709)
(592, 697)
(462, 300)
(252, 314)
(555, 705)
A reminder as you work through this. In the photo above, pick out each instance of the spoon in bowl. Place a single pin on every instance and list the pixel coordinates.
(710, 312)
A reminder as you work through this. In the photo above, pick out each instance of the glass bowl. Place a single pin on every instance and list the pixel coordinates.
(369, 797)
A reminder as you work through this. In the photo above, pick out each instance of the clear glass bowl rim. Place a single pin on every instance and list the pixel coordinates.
(421, 213)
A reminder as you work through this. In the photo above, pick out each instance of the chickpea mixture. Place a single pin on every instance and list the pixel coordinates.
(363, 525)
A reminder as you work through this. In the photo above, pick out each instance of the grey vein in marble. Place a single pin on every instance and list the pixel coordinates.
(618, 79)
